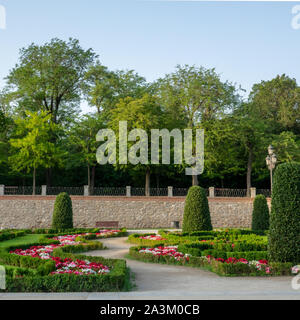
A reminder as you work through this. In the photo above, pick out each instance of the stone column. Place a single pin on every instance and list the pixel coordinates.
(211, 192)
(86, 191)
(2, 189)
(170, 191)
(253, 192)
(44, 191)
(128, 191)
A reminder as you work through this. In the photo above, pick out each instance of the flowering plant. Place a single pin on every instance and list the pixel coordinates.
(78, 267)
(153, 237)
(166, 251)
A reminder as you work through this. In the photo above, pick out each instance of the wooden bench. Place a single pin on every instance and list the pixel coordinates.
(107, 224)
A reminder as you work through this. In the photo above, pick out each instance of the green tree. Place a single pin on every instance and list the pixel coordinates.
(284, 234)
(278, 102)
(63, 213)
(196, 211)
(31, 147)
(49, 78)
(193, 97)
(82, 145)
(146, 114)
(260, 213)
(104, 88)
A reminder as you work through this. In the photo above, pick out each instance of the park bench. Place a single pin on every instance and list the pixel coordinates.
(107, 224)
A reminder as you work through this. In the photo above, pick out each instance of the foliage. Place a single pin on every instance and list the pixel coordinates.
(284, 241)
(196, 211)
(63, 212)
(260, 213)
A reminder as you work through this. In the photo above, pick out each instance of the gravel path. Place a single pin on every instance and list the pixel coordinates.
(158, 281)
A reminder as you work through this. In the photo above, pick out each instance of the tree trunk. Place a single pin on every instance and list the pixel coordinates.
(93, 180)
(195, 180)
(249, 171)
(147, 184)
(34, 182)
(89, 175)
(49, 177)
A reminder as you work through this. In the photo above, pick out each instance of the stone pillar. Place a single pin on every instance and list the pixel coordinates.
(252, 192)
(170, 191)
(128, 191)
(211, 192)
(2, 189)
(86, 191)
(44, 191)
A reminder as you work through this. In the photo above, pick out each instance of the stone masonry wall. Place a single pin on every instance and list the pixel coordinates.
(134, 212)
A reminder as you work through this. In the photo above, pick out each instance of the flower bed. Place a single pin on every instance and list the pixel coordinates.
(64, 266)
(170, 251)
(227, 267)
(51, 266)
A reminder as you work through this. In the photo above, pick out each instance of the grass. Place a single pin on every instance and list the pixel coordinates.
(29, 238)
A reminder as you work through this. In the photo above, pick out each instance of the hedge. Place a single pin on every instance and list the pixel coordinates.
(63, 213)
(28, 274)
(284, 239)
(223, 269)
(196, 211)
(260, 213)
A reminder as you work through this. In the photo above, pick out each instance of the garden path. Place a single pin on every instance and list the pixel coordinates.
(166, 282)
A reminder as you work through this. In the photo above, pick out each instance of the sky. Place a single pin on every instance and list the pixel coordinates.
(246, 42)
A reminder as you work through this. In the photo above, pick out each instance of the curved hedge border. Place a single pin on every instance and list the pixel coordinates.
(222, 269)
(28, 274)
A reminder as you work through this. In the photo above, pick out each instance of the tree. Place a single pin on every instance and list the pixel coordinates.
(146, 114)
(31, 147)
(284, 240)
(104, 88)
(278, 102)
(260, 213)
(82, 145)
(250, 134)
(49, 78)
(196, 211)
(194, 96)
(63, 213)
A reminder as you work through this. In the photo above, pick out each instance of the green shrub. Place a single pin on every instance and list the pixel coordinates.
(196, 211)
(63, 213)
(284, 239)
(260, 213)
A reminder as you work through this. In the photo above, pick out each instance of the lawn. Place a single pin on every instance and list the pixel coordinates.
(27, 239)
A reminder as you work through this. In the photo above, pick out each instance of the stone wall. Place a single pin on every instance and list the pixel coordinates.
(134, 212)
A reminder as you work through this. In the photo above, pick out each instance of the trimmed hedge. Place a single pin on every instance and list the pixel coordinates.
(222, 269)
(63, 212)
(284, 234)
(260, 213)
(28, 274)
(10, 234)
(196, 211)
(115, 280)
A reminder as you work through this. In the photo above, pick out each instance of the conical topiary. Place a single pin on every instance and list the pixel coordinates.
(260, 213)
(63, 212)
(196, 211)
(284, 234)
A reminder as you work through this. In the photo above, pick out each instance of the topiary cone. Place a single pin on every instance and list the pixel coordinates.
(260, 213)
(196, 211)
(63, 212)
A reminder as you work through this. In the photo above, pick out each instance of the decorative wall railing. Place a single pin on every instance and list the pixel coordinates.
(129, 191)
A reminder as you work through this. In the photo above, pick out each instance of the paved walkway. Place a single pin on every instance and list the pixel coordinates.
(157, 281)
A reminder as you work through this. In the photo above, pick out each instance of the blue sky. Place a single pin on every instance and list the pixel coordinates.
(245, 41)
